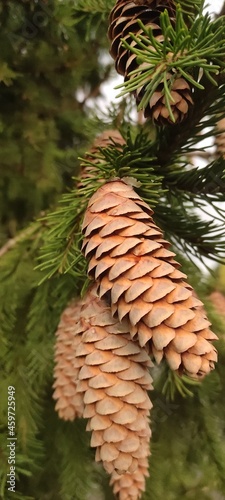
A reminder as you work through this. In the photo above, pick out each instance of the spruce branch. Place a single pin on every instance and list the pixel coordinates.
(175, 384)
(61, 250)
(209, 180)
(137, 161)
(188, 231)
(183, 52)
(26, 234)
(189, 8)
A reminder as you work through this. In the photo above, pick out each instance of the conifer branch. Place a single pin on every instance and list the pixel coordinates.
(184, 51)
(20, 237)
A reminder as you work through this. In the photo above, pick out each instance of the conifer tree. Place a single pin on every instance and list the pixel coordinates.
(110, 320)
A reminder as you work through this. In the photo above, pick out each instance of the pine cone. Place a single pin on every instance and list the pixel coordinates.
(220, 138)
(139, 277)
(113, 382)
(123, 20)
(69, 403)
(130, 486)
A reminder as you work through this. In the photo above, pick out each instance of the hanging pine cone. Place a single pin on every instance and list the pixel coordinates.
(113, 382)
(69, 403)
(220, 138)
(139, 277)
(123, 20)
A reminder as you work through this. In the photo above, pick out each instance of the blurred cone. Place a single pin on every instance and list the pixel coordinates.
(113, 382)
(220, 138)
(69, 403)
(218, 301)
(139, 277)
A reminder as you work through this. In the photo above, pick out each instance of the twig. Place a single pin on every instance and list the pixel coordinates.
(21, 236)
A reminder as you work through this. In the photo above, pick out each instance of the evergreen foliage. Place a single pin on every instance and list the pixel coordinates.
(51, 53)
(42, 120)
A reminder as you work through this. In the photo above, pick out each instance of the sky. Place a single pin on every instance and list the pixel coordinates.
(214, 6)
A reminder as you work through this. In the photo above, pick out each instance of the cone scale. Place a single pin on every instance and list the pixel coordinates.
(113, 381)
(123, 21)
(137, 274)
(130, 486)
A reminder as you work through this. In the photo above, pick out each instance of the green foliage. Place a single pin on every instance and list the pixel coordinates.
(189, 8)
(41, 118)
(51, 51)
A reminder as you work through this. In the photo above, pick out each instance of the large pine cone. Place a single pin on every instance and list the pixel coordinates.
(68, 336)
(139, 277)
(113, 381)
(124, 20)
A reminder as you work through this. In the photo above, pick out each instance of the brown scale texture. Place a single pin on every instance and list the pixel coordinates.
(113, 381)
(137, 274)
(124, 20)
(220, 138)
(69, 403)
(130, 486)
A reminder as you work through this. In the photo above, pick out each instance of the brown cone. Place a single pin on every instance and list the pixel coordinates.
(69, 403)
(130, 486)
(113, 381)
(220, 138)
(139, 277)
(124, 20)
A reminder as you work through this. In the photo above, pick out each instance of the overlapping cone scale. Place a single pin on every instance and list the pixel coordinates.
(130, 486)
(123, 20)
(69, 403)
(113, 382)
(137, 274)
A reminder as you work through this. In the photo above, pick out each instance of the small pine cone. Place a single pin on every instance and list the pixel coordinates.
(130, 486)
(220, 138)
(157, 109)
(69, 403)
(124, 20)
(139, 277)
(113, 381)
